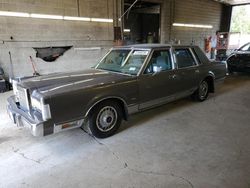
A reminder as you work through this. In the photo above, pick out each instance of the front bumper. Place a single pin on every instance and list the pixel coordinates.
(22, 118)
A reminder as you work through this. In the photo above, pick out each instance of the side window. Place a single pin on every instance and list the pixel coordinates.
(160, 61)
(184, 58)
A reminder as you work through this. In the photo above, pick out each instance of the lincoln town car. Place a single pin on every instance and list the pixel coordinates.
(127, 80)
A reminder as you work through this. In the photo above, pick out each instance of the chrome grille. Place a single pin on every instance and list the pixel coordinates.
(22, 97)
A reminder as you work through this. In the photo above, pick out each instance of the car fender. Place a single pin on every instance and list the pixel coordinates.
(230, 56)
(97, 100)
(211, 75)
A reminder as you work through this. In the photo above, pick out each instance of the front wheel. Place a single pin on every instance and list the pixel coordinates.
(201, 93)
(105, 119)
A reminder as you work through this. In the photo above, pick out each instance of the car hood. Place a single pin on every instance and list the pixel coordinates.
(58, 82)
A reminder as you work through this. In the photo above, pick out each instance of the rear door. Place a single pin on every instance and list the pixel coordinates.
(187, 71)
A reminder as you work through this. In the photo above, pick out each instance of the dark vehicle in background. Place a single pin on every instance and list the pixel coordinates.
(239, 60)
(127, 80)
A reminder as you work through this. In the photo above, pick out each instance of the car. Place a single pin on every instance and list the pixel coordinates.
(127, 80)
(239, 60)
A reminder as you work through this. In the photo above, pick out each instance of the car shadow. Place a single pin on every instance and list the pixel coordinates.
(145, 116)
(232, 82)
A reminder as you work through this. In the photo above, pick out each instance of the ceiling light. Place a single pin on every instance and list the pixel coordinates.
(192, 25)
(55, 17)
(15, 14)
(126, 30)
(76, 18)
(46, 16)
(101, 20)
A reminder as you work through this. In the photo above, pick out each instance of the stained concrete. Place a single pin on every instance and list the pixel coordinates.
(179, 145)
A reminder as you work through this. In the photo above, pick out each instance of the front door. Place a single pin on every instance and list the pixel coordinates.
(157, 84)
(243, 56)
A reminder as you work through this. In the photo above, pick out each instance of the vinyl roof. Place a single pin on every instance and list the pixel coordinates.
(150, 46)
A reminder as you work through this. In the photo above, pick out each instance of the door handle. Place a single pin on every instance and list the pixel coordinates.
(197, 71)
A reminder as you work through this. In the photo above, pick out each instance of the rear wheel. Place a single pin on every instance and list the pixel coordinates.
(105, 119)
(201, 93)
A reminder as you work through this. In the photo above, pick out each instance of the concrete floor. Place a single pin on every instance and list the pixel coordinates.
(180, 145)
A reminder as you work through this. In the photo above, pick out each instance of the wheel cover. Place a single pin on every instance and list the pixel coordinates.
(203, 90)
(106, 118)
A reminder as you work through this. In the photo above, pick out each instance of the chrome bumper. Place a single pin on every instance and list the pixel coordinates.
(22, 118)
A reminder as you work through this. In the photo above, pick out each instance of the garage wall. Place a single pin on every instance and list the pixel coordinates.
(166, 14)
(31, 32)
(202, 12)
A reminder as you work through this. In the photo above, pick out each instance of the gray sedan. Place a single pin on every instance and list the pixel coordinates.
(127, 80)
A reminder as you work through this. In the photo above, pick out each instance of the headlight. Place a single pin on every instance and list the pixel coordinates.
(46, 112)
(36, 104)
(15, 91)
(41, 107)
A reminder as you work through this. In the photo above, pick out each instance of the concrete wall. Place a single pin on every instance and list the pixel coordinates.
(31, 32)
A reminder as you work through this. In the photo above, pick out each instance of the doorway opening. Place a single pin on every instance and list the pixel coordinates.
(141, 22)
(240, 25)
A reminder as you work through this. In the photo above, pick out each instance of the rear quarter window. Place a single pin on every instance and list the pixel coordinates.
(200, 56)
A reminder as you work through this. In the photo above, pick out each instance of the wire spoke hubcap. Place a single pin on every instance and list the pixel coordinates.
(106, 118)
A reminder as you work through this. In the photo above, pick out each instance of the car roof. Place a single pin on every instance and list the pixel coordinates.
(149, 45)
(153, 45)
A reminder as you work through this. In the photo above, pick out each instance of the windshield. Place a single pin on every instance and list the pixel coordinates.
(125, 61)
(246, 47)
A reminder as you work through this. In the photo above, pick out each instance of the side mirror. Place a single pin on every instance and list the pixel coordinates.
(156, 69)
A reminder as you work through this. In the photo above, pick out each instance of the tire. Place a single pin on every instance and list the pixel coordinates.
(230, 71)
(105, 119)
(201, 93)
